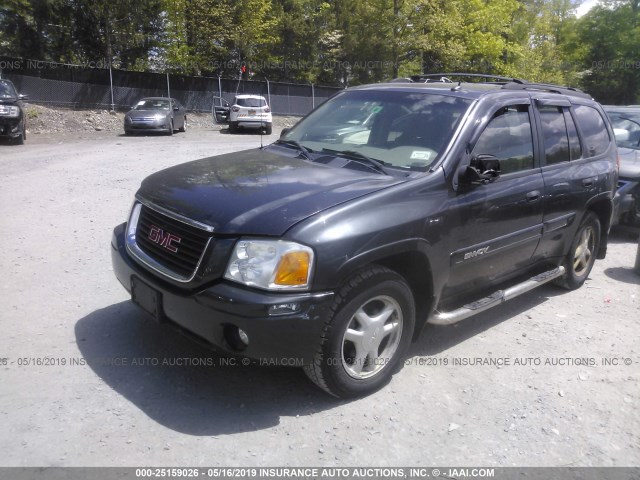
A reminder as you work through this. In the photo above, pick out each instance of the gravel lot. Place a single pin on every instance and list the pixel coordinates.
(553, 402)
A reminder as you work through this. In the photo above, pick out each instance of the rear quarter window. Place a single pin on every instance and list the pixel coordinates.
(594, 130)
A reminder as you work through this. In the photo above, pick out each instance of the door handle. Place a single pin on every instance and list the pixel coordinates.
(588, 182)
(533, 196)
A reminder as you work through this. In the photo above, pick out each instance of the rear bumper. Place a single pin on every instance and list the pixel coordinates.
(209, 314)
(252, 123)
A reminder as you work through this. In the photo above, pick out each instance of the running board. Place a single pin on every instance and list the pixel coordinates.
(496, 298)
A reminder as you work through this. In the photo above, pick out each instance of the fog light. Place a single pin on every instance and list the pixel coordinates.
(284, 308)
(244, 338)
(236, 338)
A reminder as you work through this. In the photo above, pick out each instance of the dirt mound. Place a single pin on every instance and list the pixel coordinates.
(43, 120)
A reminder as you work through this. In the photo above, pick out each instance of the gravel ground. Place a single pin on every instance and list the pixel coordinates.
(79, 386)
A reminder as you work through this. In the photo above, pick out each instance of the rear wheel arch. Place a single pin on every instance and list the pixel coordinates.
(603, 209)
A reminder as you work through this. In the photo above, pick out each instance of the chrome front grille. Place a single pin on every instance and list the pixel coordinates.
(166, 244)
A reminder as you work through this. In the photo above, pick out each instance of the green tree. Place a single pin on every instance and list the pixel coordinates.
(607, 44)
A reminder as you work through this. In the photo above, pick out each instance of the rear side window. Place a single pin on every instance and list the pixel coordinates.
(561, 141)
(554, 133)
(594, 130)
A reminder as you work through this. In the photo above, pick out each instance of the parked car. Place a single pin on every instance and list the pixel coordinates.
(333, 252)
(626, 127)
(250, 111)
(156, 114)
(13, 119)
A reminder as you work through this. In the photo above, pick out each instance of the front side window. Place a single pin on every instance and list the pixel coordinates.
(401, 129)
(508, 137)
(594, 130)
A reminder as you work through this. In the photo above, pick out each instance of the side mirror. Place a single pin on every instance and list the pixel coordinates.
(23, 97)
(483, 169)
(175, 109)
(284, 132)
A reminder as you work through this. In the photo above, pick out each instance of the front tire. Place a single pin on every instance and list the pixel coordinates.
(582, 254)
(366, 335)
(184, 125)
(171, 129)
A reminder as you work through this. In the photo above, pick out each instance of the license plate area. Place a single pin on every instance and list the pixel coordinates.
(147, 298)
(252, 113)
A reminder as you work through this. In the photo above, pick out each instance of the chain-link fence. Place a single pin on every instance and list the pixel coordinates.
(93, 86)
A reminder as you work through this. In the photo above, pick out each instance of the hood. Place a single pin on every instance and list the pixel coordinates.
(9, 100)
(629, 163)
(258, 192)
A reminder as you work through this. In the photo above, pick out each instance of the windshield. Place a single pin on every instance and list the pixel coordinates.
(7, 90)
(401, 129)
(251, 102)
(148, 104)
(626, 127)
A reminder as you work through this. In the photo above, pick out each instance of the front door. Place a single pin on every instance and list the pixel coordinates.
(496, 226)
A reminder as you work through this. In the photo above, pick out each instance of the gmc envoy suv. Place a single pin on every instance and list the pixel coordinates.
(336, 244)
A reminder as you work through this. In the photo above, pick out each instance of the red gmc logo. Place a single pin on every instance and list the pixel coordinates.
(164, 239)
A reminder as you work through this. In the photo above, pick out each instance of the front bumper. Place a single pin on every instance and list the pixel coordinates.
(210, 314)
(10, 127)
(149, 126)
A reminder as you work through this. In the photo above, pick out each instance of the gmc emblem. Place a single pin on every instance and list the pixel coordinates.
(164, 239)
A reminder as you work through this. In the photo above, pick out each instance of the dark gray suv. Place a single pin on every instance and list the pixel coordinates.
(333, 247)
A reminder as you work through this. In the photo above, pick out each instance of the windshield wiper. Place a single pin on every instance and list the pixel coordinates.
(361, 158)
(304, 151)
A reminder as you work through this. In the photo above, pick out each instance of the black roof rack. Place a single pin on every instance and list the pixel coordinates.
(507, 83)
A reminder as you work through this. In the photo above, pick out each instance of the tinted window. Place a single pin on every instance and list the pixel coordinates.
(594, 130)
(554, 134)
(574, 141)
(508, 137)
(251, 102)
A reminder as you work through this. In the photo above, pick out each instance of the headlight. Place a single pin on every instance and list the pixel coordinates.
(271, 264)
(159, 116)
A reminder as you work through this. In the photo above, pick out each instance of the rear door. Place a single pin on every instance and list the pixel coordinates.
(574, 143)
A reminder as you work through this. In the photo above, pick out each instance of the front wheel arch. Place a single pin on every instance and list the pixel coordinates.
(367, 334)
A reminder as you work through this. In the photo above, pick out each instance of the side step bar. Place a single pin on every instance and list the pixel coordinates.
(496, 298)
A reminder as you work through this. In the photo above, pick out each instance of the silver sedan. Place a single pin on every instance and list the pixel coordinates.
(156, 114)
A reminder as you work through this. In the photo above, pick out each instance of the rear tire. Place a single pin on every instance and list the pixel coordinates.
(582, 254)
(268, 129)
(233, 127)
(366, 336)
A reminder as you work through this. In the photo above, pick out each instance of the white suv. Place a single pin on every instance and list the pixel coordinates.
(250, 111)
